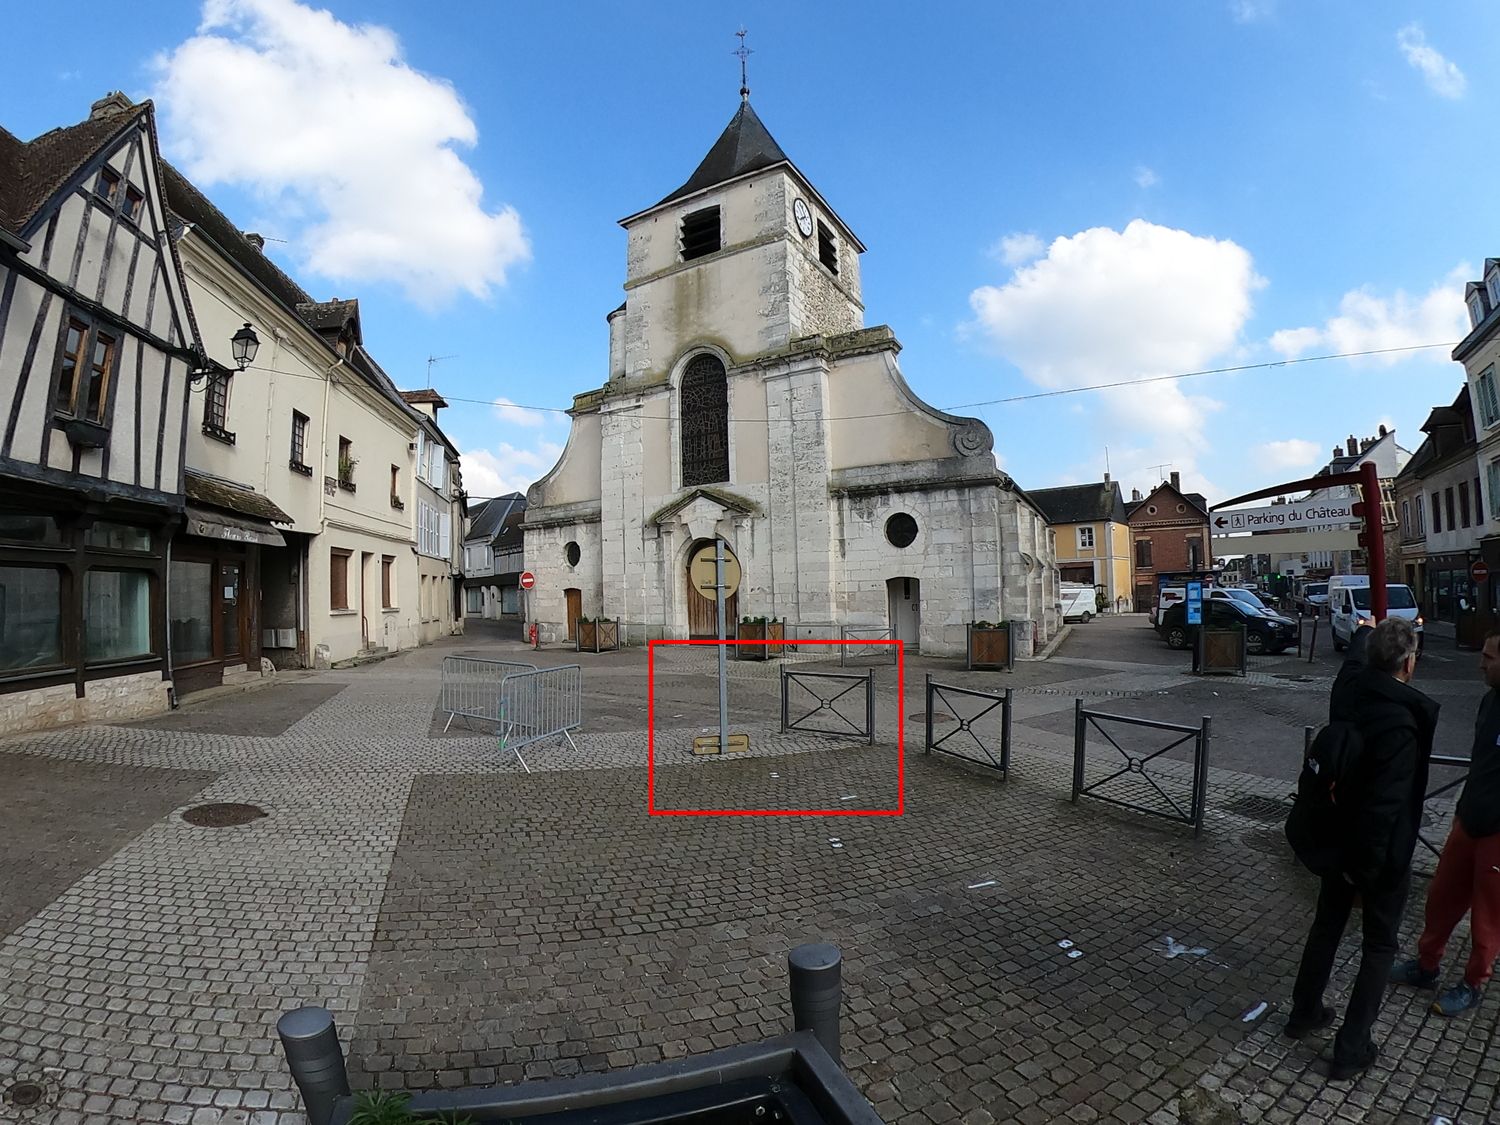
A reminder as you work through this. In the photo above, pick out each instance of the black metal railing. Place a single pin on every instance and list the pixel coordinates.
(1445, 787)
(1138, 780)
(973, 737)
(867, 644)
(831, 704)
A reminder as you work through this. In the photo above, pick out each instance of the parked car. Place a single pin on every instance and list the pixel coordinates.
(1257, 601)
(1079, 602)
(1264, 633)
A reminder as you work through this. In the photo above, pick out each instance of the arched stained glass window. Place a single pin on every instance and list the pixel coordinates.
(704, 421)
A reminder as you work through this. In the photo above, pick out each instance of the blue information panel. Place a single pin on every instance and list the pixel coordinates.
(1195, 603)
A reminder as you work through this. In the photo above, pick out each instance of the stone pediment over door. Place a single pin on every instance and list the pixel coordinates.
(702, 511)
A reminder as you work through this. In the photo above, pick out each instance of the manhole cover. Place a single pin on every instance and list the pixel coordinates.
(25, 1094)
(937, 717)
(1269, 810)
(226, 814)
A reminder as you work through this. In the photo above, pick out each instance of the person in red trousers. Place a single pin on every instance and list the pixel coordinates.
(1468, 873)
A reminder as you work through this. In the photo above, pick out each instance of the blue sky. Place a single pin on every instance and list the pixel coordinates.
(1054, 195)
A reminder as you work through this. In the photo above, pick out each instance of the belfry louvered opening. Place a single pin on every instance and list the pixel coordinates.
(700, 233)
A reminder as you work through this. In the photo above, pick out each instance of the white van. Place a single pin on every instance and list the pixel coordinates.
(1078, 602)
(1349, 606)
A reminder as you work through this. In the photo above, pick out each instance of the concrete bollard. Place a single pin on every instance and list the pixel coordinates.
(313, 1055)
(817, 992)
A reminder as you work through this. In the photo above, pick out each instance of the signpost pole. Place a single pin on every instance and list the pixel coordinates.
(719, 599)
(1374, 514)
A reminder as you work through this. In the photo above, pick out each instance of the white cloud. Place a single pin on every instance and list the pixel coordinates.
(506, 468)
(354, 151)
(1367, 321)
(1251, 11)
(1018, 249)
(1145, 177)
(1106, 306)
(508, 412)
(1443, 77)
(1290, 453)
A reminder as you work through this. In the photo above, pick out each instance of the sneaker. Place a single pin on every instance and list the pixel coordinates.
(1411, 974)
(1299, 1026)
(1458, 999)
(1342, 1070)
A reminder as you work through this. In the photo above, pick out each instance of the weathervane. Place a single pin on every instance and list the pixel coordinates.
(743, 53)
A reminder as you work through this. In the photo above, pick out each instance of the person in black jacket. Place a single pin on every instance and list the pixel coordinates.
(1468, 871)
(1382, 798)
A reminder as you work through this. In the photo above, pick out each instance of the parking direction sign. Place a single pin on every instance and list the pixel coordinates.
(1304, 516)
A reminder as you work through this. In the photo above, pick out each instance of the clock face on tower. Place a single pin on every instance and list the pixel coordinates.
(803, 217)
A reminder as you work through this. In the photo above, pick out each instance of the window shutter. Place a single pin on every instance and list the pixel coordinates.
(445, 535)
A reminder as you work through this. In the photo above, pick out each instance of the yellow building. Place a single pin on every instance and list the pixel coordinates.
(1093, 539)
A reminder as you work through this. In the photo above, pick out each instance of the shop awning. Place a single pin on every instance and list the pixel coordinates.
(206, 523)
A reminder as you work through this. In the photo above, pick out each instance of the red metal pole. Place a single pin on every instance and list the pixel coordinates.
(1369, 487)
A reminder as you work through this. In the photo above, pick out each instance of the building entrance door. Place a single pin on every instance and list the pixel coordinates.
(904, 598)
(574, 600)
(702, 604)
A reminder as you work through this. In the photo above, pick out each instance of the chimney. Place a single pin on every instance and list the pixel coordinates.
(1337, 452)
(1365, 443)
(1135, 496)
(1177, 480)
(1383, 430)
(110, 104)
(1353, 446)
(256, 240)
(1106, 478)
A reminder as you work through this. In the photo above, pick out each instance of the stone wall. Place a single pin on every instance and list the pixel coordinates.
(105, 701)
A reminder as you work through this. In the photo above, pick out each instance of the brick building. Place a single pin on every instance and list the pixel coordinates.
(1169, 535)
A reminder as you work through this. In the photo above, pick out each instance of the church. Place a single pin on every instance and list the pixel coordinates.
(747, 400)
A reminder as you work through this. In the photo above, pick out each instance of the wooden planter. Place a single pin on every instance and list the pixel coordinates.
(773, 631)
(1221, 652)
(991, 648)
(598, 636)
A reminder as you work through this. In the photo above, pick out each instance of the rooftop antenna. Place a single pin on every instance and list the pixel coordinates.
(742, 53)
(1165, 465)
(1106, 460)
(435, 359)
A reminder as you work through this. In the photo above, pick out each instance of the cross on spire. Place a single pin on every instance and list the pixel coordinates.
(742, 53)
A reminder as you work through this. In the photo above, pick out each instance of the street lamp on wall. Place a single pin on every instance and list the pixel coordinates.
(244, 344)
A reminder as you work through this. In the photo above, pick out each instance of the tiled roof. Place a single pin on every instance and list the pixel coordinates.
(426, 395)
(331, 316)
(32, 172)
(745, 146)
(1079, 503)
(495, 515)
(232, 497)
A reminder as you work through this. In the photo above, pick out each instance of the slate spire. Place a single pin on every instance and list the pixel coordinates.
(744, 146)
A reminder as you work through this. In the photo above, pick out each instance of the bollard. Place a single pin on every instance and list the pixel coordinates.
(316, 1061)
(817, 992)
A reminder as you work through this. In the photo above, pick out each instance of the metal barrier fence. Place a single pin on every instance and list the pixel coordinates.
(541, 703)
(828, 705)
(978, 741)
(1446, 787)
(471, 687)
(852, 652)
(1136, 765)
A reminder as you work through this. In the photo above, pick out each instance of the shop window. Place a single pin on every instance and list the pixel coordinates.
(190, 593)
(116, 615)
(387, 581)
(30, 618)
(30, 529)
(338, 579)
(117, 536)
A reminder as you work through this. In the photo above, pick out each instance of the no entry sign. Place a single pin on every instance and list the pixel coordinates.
(528, 580)
(1479, 571)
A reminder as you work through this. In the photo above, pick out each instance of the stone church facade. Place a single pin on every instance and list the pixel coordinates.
(746, 399)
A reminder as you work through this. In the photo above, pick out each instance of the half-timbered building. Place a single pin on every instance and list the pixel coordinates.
(97, 343)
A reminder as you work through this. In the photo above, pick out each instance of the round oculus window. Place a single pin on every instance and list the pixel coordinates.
(572, 553)
(1151, 509)
(1182, 507)
(901, 530)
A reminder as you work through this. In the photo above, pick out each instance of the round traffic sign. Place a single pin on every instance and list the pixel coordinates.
(1479, 571)
(528, 580)
(702, 569)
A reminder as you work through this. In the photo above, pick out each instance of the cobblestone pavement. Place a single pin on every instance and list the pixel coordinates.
(469, 922)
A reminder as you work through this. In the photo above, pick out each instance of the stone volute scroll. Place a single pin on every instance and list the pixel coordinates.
(972, 439)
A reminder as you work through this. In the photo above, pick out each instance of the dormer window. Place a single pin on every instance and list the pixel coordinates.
(1476, 309)
(700, 233)
(1492, 283)
(828, 249)
(107, 186)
